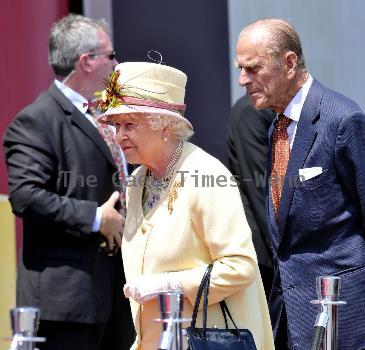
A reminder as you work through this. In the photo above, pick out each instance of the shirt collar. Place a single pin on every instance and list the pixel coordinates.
(295, 106)
(76, 99)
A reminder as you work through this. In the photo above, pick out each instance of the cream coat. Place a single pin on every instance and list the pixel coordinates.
(196, 223)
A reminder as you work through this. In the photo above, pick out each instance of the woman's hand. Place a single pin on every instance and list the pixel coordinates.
(146, 287)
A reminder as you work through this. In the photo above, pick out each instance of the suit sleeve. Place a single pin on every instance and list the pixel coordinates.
(219, 220)
(350, 159)
(236, 163)
(33, 175)
(232, 148)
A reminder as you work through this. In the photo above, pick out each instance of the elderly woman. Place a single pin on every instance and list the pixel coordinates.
(183, 209)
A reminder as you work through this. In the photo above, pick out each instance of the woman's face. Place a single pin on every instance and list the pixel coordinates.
(140, 144)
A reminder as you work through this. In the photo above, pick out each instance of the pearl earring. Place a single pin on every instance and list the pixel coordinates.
(165, 139)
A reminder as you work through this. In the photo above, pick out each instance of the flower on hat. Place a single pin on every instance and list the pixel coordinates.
(110, 97)
(115, 93)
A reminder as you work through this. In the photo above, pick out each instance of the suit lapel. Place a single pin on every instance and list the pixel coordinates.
(81, 122)
(92, 132)
(270, 132)
(305, 136)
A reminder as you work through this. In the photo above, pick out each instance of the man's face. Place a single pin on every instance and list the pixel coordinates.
(265, 80)
(103, 65)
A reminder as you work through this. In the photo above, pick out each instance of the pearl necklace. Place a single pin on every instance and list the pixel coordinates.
(174, 158)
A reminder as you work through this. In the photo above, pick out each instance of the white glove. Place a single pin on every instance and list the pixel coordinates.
(146, 287)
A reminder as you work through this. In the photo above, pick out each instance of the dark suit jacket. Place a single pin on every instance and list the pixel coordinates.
(248, 150)
(60, 170)
(321, 221)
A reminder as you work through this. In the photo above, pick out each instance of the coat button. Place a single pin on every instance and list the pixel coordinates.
(143, 229)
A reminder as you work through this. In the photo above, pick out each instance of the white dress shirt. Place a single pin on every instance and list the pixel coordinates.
(294, 109)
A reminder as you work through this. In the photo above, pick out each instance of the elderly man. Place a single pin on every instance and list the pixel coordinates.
(62, 184)
(316, 192)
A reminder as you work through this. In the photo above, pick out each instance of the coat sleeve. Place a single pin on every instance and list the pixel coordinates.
(239, 129)
(350, 159)
(33, 174)
(219, 220)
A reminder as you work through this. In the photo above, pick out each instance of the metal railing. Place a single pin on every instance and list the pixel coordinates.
(24, 324)
(325, 335)
(171, 308)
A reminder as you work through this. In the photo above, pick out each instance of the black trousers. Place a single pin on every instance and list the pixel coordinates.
(70, 335)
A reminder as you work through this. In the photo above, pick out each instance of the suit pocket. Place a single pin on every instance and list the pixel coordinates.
(350, 271)
(323, 192)
(305, 209)
(330, 197)
(315, 181)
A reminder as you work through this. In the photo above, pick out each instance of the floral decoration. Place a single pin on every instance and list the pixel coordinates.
(111, 97)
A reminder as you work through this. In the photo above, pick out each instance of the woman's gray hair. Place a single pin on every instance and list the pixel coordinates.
(70, 37)
(179, 129)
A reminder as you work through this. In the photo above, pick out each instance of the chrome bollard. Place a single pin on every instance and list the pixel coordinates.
(171, 308)
(326, 326)
(24, 324)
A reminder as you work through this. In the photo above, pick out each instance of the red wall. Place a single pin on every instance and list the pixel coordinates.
(24, 70)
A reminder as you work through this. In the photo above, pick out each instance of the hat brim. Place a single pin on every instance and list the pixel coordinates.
(110, 116)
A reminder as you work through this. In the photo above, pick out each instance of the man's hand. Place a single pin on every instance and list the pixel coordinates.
(112, 223)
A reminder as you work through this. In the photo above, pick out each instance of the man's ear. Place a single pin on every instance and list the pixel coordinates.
(291, 61)
(84, 62)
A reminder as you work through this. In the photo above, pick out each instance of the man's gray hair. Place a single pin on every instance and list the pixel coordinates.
(284, 38)
(70, 37)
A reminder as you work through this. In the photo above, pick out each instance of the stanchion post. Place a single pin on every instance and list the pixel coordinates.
(24, 324)
(171, 309)
(328, 292)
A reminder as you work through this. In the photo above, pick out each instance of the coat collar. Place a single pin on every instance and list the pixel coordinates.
(81, 122)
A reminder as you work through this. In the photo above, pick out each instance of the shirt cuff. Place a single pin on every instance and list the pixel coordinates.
(97, 220)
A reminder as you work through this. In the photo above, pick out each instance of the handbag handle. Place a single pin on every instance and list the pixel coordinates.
(203, 282)
(205, 305)
(204, 288)
(225, 310)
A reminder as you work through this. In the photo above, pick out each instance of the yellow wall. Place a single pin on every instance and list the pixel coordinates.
(7, 268)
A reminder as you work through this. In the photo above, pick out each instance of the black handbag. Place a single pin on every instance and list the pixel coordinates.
(215, 338)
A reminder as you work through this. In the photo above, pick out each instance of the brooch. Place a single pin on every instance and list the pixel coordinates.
(172, 196)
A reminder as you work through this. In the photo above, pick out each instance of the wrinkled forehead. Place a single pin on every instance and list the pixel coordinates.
(252, 53)
(252, 57)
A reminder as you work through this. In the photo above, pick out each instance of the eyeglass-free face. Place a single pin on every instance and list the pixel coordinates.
(140, 143)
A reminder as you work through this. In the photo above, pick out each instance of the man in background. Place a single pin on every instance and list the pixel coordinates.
(248, 153)
(316, 188)
(66, 183)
